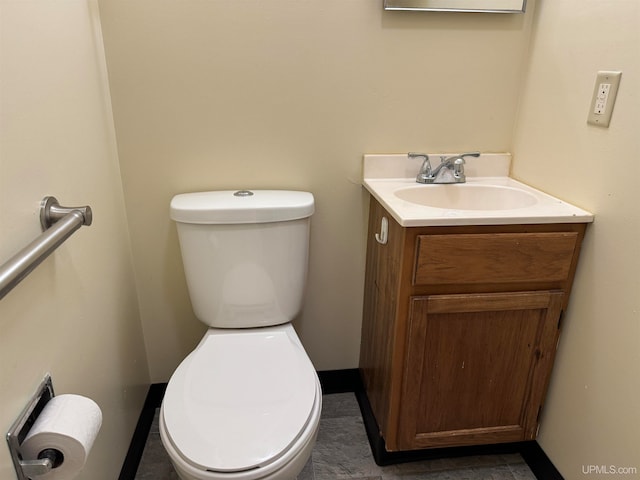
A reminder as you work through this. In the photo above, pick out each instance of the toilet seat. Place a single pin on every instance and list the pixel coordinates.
(240, 400)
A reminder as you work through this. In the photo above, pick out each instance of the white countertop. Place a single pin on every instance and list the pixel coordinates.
(384, 175)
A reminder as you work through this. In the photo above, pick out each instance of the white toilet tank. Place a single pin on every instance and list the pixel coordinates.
(245, 254)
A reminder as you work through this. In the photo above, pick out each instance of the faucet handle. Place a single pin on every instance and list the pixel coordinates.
(458, 165)
(470, 154)
(418, 155)
(461, 156)
(424, 174)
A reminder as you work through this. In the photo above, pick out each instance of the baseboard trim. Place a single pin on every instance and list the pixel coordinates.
(340, 381)
(140, 434)
(539, 463)
(343, 381)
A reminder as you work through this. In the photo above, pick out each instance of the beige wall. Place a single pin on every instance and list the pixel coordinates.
(592, 416)
(76, 315)
(290, 94)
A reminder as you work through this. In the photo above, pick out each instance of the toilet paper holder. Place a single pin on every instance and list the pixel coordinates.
(47, 459)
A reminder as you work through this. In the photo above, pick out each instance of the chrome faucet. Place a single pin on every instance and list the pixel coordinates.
(450, 170)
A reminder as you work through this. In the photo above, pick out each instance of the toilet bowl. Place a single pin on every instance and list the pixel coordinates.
(245, 403)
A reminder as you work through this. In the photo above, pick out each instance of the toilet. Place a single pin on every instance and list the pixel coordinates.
(245, 404)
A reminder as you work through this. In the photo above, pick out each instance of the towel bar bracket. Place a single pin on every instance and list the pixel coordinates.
(51, 211)
(58, 223)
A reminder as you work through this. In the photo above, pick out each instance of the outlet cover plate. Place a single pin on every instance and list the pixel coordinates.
(603, 98)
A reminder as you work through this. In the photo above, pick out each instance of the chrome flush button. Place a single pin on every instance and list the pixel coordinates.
(243, 193)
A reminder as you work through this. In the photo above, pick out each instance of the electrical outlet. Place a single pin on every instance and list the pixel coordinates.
(604, 97)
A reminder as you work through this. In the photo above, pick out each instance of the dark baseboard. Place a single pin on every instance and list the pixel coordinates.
(342, 381)
(539, 463)
(140, 434)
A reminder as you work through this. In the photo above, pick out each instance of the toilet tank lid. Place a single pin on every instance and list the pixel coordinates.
(241, 206)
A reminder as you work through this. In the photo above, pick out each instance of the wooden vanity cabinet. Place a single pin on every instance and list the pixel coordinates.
(460, 328)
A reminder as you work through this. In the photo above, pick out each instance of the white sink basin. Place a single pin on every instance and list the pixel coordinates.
(489, 197)
(466, 196)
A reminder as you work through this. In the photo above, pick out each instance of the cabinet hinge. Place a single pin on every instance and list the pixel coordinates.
(560, 320)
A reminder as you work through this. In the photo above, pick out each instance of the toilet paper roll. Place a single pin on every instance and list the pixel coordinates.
(68, 423)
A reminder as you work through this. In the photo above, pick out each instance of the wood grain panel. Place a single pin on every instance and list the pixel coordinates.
(494, 258)
(475, 371)
(459, 328)
(382, 280)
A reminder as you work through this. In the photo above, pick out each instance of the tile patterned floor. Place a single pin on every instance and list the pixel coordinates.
(342, 452)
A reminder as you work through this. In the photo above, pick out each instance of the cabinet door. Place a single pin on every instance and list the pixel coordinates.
(477, 367)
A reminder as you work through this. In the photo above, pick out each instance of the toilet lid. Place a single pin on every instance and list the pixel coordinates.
(239, 400)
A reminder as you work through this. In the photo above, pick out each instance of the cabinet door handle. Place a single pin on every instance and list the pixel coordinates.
(383, 236)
